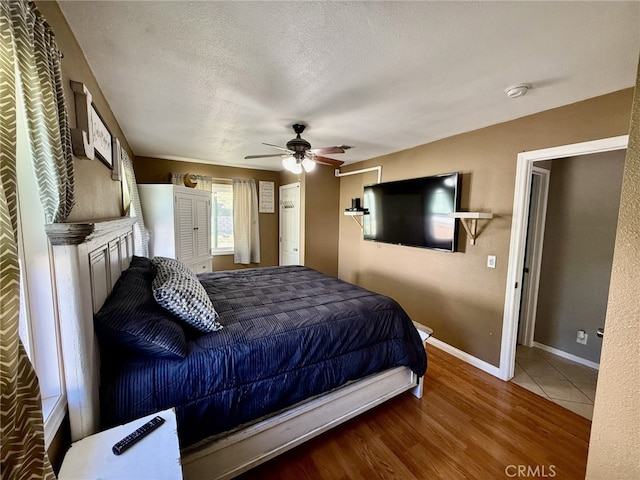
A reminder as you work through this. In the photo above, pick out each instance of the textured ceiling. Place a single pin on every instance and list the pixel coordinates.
(210, 81)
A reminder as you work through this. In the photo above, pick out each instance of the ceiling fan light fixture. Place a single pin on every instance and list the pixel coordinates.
(292, 165)
(299, 156)
(288, 163)
(308, 165)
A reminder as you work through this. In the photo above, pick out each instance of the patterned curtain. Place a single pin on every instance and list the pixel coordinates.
(38, 61)
(246, 226)
(141, 236)
(27, 54)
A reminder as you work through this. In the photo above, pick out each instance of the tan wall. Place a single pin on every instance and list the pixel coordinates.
(580, 232)
(97, 196)
(155, 170)
(319, 197)
(455, 293)
(322, 217)
(615, 431)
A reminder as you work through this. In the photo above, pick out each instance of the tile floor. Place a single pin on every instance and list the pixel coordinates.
(562, 381)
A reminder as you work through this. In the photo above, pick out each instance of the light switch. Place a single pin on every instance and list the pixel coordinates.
(491, 261)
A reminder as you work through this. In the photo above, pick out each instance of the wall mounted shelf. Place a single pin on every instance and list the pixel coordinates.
(469, 221)
(355, 214)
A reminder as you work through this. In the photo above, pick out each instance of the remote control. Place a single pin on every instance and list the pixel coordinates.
(137, 435)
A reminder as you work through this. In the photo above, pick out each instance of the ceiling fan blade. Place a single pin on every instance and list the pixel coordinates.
(326, 161)
(327, 150)
(267, 156)
(278, 147)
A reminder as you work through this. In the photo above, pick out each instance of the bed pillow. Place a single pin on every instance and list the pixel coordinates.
(142, 265)
(164, 265)
(182, 294)
(131, 319)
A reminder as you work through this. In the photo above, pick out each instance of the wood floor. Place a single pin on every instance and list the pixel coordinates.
(468, 425)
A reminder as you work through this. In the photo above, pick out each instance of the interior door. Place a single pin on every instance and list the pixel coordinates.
(533, 255)
(290, 224)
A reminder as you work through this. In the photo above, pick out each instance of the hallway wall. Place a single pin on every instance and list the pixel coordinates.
(580, 231)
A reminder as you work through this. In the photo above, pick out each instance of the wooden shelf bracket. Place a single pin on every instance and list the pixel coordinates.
(469, 221)
(357, 216)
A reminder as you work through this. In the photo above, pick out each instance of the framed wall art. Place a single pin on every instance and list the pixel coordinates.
(266, 197)
(102, 140)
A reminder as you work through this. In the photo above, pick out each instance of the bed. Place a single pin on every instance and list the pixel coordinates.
(298, 353)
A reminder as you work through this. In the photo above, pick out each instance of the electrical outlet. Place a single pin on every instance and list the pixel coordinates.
(491, 261)
(582, 337)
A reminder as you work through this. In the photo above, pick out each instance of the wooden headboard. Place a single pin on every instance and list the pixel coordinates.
(88, 258)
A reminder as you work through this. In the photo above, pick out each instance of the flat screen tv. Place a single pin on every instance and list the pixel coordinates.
(413, 212)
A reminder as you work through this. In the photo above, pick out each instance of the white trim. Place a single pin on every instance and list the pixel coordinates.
(519, 232)
(464, 356)
(218, 253)
(54, 409)
(528, 327)
(568, 356)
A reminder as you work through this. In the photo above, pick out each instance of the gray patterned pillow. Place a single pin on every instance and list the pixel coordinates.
(182, 294)
(164, 265)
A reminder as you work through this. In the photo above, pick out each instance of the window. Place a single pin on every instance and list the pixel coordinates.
(221, 219)
(38, 325)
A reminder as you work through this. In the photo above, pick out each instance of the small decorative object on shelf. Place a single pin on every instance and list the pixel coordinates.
(190, 180)
(356, 210)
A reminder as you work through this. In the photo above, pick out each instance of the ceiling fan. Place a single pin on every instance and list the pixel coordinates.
(299, 154)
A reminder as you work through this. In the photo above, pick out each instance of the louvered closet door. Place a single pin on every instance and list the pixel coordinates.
(185, 238)
(202, 221)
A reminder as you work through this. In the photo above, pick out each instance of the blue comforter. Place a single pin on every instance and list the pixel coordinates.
(289, 333)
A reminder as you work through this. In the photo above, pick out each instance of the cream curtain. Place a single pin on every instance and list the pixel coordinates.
(246, 225)
(28, 54)
(141, 235)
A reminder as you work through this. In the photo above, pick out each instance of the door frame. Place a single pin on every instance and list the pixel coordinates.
(288, 186)
(521, 202)
(535, 237)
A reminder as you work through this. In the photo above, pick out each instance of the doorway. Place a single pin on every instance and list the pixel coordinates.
(567, 289)
(289, 224)
(518, 242)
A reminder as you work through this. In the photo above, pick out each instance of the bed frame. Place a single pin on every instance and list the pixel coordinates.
(88, 259)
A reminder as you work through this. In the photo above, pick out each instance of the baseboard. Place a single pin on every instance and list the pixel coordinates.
(464, 356)
(568, 356)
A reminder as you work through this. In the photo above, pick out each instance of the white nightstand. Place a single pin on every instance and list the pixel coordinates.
(155, 457)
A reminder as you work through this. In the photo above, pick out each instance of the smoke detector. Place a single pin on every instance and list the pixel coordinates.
(516, 91)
